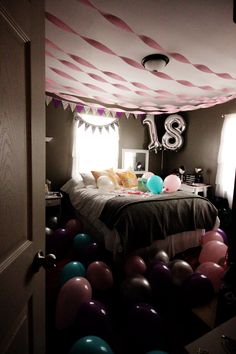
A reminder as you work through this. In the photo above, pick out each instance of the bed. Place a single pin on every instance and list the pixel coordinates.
(127, 220)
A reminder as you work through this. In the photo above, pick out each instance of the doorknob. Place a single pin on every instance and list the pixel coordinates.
(47, 262)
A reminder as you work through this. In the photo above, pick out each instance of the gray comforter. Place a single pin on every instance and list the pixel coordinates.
(142, 220)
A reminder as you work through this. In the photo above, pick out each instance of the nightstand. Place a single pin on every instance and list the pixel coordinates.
(195, 188)
(53, 203)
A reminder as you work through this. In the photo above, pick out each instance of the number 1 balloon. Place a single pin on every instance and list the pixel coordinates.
(154, 144)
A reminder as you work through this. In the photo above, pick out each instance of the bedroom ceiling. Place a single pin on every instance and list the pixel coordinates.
(94, 50)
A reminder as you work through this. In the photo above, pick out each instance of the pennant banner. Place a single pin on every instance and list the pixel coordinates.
(80, 108)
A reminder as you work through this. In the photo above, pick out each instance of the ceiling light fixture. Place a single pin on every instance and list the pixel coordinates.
(155, 62)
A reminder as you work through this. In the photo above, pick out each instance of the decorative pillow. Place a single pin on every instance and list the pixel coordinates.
(88, 179)
(128, 179)
(73, 182)
(110, 173)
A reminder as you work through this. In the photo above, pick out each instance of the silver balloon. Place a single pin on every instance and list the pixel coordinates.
(180, 271)
(174, 126)
(154, 143)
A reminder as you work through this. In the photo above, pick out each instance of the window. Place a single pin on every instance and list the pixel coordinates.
(226, 159)
(96, 143)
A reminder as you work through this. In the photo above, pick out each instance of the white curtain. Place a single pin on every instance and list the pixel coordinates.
(226, 159)
(94, 148)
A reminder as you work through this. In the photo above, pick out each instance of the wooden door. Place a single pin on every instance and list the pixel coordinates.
(22, 176)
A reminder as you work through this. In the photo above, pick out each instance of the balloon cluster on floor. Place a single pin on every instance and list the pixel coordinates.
(98, 298)
(155, 184)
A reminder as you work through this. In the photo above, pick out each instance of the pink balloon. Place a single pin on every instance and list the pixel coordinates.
(211, 236)
(74, 226)
(134, 265)
(172, 183)
(213, 251)
(147, 175)
(71, 296)
(214, 272)
(99, 275)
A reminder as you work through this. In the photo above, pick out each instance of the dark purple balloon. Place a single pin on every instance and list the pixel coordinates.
(92, 253)
(160, 279)
(93, 319)
(197, 290)
(144, 327)
(57, 242)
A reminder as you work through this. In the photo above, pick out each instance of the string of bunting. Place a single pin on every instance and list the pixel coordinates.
(111, 123)
(80, 108)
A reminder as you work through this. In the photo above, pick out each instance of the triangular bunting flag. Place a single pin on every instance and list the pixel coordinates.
(94, 111)
(119, 114)
(100, 111)
(93, 128)
(80, 123)
(72, 106)
(65, 104)
(79, 108)
(87, 126)
(107, 113)
(56, 102)
(48, 99)
(86, 109)
(127, 115)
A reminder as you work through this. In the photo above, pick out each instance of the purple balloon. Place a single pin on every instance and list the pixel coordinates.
(198, 290)
(223, 234)
(92, 253)
(160, 279)
(57, 242)
(144, 327)
(93, 319)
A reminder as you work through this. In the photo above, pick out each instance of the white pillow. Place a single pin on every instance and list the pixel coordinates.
(72, 183)
(89, 179)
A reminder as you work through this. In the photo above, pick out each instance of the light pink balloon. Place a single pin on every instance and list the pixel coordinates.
(214, 272)
(99, 275)
(213, 251)
(211, 236)
(134, 265)
(71, 296)
(147, 175)
(172, 183)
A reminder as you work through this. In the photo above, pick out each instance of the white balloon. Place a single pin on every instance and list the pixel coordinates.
(105, 183)
(147, 175)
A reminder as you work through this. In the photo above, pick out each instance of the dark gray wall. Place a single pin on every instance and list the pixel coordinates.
(58, 152)
(201, 142)
(200, 149)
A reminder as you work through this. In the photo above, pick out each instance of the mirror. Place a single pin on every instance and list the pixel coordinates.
(135, 160)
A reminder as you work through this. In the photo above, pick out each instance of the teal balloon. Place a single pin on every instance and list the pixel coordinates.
(142, 184)
(80, 242)
(155, 184)
(156, 352)
(91, 345)
(71, 270)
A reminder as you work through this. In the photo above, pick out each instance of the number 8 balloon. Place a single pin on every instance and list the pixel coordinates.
(174, 125)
